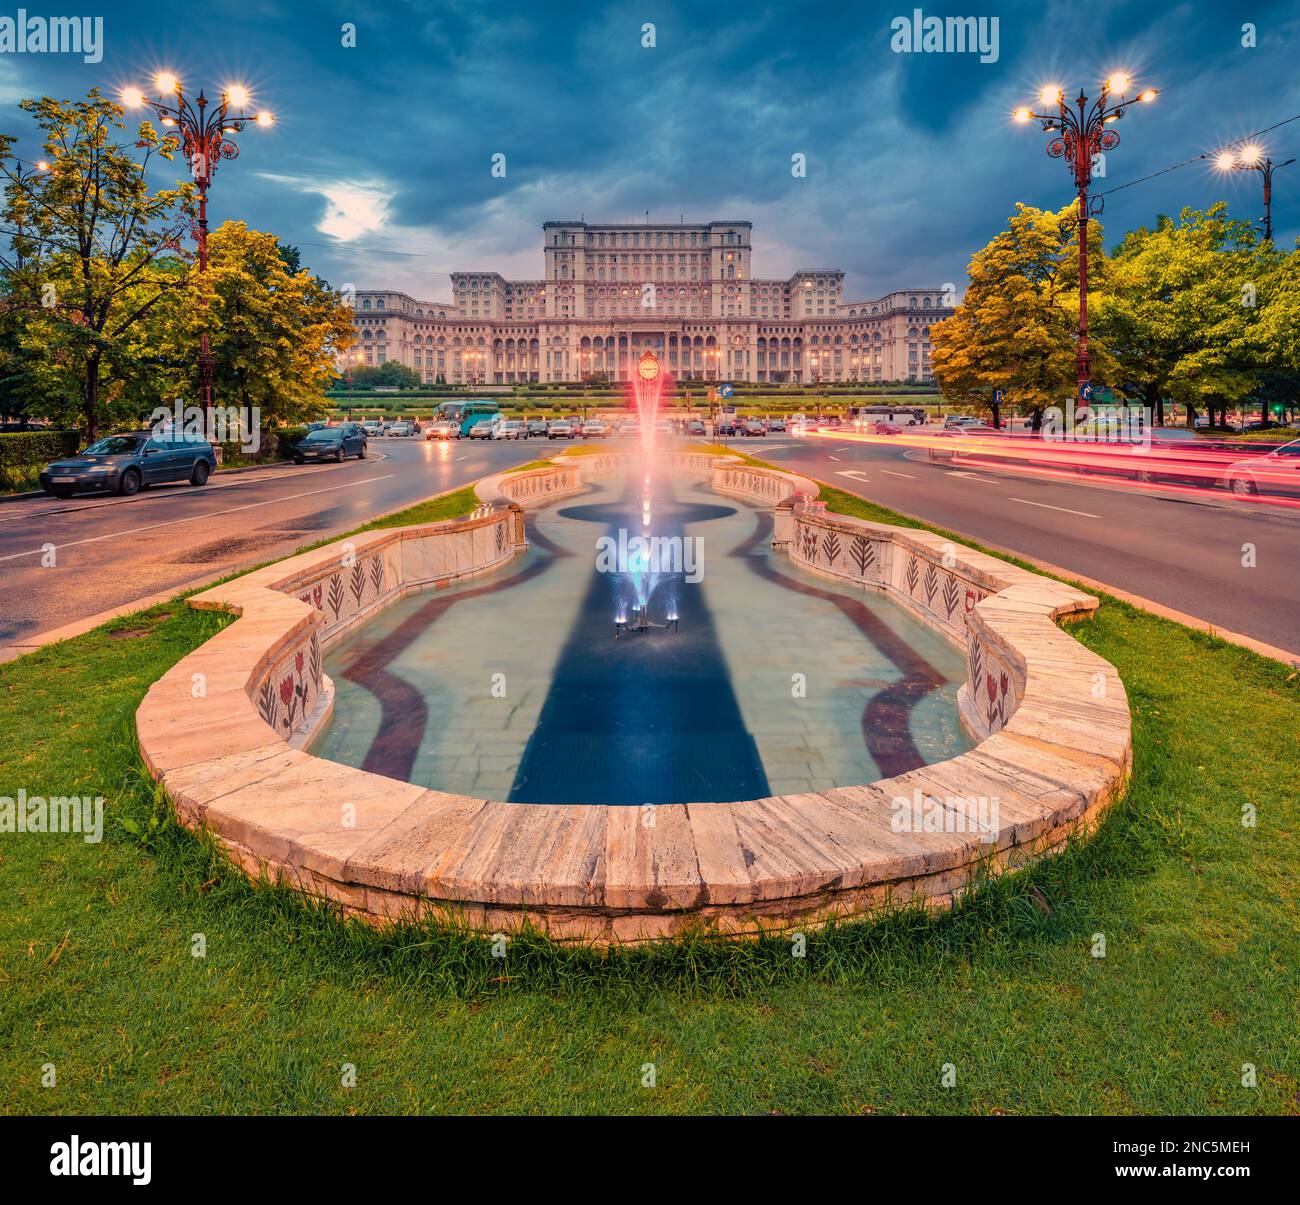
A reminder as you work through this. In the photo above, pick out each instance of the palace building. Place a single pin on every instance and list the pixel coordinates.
(684, 291)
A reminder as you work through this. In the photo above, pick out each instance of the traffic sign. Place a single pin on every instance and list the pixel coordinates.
(1085, 391)
(997, 397)
(725, 390)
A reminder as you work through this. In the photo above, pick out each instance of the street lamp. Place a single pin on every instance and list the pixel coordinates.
(1252, 159)
(1081, 136)
(205, 139)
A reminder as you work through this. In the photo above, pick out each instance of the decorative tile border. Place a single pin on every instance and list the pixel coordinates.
(1051, 716)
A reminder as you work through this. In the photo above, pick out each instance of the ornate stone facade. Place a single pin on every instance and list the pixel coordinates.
(685, 291)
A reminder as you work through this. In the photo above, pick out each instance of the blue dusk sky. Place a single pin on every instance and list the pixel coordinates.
(379, 166)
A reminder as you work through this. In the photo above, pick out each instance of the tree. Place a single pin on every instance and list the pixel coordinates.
(93, 253)
(1015, 328)
(275, 330)
(389, 374)
(1180, 311)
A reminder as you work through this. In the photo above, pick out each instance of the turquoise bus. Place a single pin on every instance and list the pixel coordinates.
(467, 413)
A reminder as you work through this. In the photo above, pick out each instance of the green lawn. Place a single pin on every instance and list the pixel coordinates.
(1199, 916)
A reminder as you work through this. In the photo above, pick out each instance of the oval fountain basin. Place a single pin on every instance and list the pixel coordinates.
(597, 669)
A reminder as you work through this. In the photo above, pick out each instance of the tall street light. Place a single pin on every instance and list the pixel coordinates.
(205, 139)
(1252, 159)
(1080, 136)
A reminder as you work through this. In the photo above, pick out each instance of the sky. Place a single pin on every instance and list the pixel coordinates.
(389, 114)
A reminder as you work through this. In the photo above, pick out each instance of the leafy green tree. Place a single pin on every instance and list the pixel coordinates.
(93, 253)
(389, 373)
(1015, 328)
(275, 330)
(1182, 309)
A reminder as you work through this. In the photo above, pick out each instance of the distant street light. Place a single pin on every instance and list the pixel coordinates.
(1252, 159)
(1082, 136)
(205, 139)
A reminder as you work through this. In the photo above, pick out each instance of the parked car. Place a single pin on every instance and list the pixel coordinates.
(128, 461)
(332, 443)
(695, 427)
(317, 425)
(777, 424)
(509, 428)
(536, 426)
(403, 427)
(372, 427)
(954, 421)
(444, 428)
(1275, 472)
(595, 429)
(561, 428)
(485, 428)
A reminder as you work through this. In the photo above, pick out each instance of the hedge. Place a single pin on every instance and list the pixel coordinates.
(24, 453)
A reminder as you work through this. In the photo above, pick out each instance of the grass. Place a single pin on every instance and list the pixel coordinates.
(1198, 912)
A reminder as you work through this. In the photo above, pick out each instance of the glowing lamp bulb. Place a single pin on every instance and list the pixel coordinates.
(1050, 95)
(1022, 115)
(1250, 154)
(238, 95)
(166, 81)
(133, 98)
(1149, 95)
(1118, 83)
(265, 118)
(1226, 161)
(42, 166)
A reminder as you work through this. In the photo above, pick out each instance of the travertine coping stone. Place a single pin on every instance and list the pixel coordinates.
(1051, 717)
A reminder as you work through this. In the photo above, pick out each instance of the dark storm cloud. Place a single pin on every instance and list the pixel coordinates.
(911, 161)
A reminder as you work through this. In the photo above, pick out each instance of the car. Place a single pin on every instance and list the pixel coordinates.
(561, 428)
(372, 427)
(131, 460)
(484, 428)
(536, 426)
(954, 421)
(595, 429)
(509, 428)
(695, 427)
(1273, 473)
(629, 426)
(882, 427)
(725, 426)
(777, 424)
(332, 443)
(833, 421)
(317, 425)
(403, 427)
(753, 426)
(443, 428)
(663, 427)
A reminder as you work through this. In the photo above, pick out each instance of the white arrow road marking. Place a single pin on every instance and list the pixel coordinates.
(115, 535)
(1048, 506)
(857, 476)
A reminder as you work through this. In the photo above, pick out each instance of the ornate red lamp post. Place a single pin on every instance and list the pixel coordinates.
(1082, 133)
(205, 139)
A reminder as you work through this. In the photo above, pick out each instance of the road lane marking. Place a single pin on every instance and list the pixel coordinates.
(906, 475)
(1049, 506)
(830, 457)
(972, 477)
(115, 535)
(854, 473)
(219, 481)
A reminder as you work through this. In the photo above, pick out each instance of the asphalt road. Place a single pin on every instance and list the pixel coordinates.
(110, 551)
(1183, 549)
